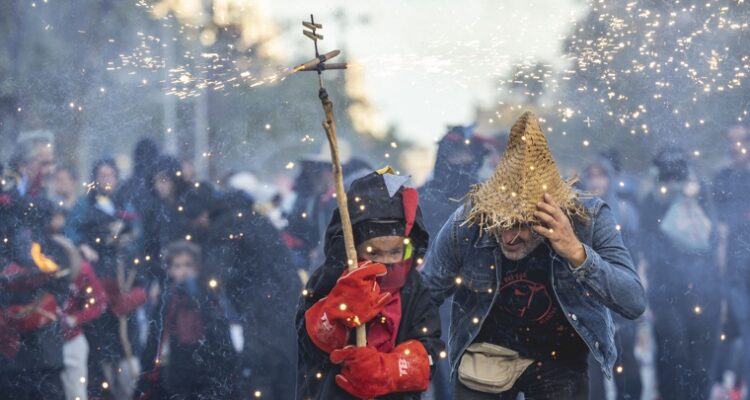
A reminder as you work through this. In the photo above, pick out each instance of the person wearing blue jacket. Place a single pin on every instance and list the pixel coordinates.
(535, 270)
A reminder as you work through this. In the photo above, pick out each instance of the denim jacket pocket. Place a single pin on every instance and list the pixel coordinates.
(478, 282)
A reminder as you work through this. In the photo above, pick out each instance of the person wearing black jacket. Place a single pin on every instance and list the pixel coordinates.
(34, 276)
(386, 293)
(246, 256)
(100, 226)
(189, 353)
(137, 195)
(460, 156)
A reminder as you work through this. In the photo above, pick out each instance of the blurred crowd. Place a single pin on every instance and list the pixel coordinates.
(158, 285)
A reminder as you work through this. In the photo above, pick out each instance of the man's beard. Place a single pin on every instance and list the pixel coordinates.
(518, 249)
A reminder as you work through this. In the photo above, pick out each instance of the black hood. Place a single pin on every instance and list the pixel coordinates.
(144, 157)
(369, 200)
(672, 164)
(459, 138)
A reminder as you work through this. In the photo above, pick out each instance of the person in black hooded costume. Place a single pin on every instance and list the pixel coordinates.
(246, 256)
(136, 191)
(460, 156)
(386, 293)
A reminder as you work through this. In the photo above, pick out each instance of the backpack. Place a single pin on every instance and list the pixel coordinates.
(687, 225)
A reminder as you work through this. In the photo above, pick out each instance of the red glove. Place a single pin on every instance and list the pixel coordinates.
(354, 300)
(367, 373)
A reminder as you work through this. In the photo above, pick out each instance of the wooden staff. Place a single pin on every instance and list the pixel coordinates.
(329, 125)
(338, 176)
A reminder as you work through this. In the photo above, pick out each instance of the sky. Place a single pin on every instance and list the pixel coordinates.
(429, 63)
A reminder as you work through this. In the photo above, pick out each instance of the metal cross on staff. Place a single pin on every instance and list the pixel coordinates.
(329, 125)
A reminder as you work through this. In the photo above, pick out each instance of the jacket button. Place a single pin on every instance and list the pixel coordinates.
(573, 317)
(596, 344)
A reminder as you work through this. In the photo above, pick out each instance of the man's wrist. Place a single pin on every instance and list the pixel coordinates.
(578, 257)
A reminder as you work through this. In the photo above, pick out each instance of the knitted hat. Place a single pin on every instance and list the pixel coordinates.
(525, 173)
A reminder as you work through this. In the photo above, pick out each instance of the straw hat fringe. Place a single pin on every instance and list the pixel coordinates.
(525, 173)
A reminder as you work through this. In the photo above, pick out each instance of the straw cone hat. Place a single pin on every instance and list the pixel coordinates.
(526, 172)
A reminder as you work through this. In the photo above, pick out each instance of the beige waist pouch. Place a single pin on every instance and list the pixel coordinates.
(490, 368)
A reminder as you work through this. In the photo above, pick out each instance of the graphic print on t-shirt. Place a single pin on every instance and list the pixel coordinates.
(526, 316)
(526, 299)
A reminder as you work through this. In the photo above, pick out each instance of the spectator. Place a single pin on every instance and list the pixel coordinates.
(86, 302)
(101, 228)
(34, 279)
(189, 354)
(679, 245)
(66, 188)
(732, 200)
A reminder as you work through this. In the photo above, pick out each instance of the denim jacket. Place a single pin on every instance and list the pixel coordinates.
(465, 264)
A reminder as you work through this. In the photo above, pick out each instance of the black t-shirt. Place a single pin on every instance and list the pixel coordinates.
(526, 316)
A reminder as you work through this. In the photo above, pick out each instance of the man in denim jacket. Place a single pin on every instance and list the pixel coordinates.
(536, 269)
